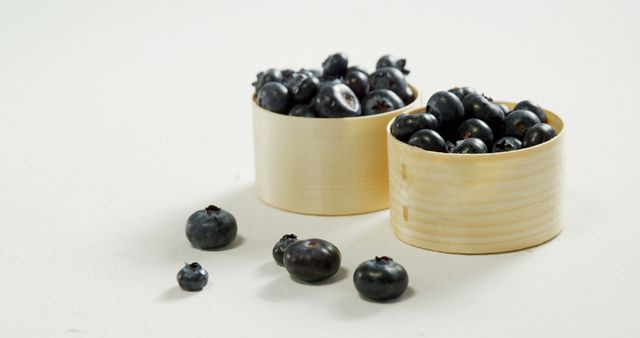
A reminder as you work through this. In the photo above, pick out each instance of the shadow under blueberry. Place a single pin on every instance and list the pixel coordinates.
(286, 287)
(270, 269)
(176, 293)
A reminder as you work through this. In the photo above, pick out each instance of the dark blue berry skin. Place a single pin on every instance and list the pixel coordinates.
(408, 96)
(380, 279)
(475, 128)
(470, 146)
(447, 108)
(302, 110)
(192, 277)
(449, 146)
(358, 82)
(381, 101)
(335, 65)
(286, 74)
(211, 228)
(532, 107)
(274, 96)
(538, 134)
(281, 245)
(518, 122)
(507, 143)
(480, 107)
(504, 109)
(392, 79)
(302, 87)
(405, 125)
(312, 260)
(461, 92)
(392, 61)
(428, 139)
(269, 75)
(336, 100)
(357, 69)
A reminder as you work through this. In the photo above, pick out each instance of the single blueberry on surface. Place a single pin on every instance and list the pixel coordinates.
(392, 79)
(475, 128)
(518, 122)
(281, 245)
(405, 125)
(302, 110)
(507, 143)
(470, 146)
(336, 100)
(381, 101)
(447, 108)
(428, 139)
(269, 75)
(192, 277)
(211, 228)
(380, 279)
(538, 134)
(532, 107)
(392, 61)
(274, 96)
(335, 65)
(312, 260)
(358, 82)
(461, 92)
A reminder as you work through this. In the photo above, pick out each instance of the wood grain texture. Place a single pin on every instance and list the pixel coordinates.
(477, 203)
(323, 166)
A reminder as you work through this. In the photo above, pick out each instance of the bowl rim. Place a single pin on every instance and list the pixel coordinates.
(416, 100)
(501, 155)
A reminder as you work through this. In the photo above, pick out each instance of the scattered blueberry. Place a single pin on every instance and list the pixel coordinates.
(537, 134)
(507, 143)
(335, 65)
(392, 79)
(428, 139)
(336, 100)
(392, 61)
(281, 245)
(518, 122)
(475, 128)
(211, 228)
(192, 277)
(358, 82)
(312, 260)
(405, 125)
(381, 101)
(302, 110)
(470, 146)
(532, 107)
(446, 107)
(269, 75)
(274, 96)
(380, 279)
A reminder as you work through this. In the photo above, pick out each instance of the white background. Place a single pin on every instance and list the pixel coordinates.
(119, 119)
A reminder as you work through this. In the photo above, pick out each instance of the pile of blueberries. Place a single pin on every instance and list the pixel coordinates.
(336, 91)
(463, 121)
(309, 261)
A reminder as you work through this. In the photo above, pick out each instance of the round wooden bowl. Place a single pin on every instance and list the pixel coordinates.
(323, 166)
(477, 203)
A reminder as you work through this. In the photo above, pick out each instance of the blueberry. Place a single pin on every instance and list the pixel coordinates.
(479, 106)
(404, 125)
(336, 100)
(312, 260)
(357, 69)
(507, 143)
(449, 146)
(274, 96)
(380, 279)
(211, 228)
(381, 101)
(408, 96)
(302, 87)
(392, 79)
(461, 92)
(532, 107)
(428, 139)
(447, 108)
(470, 146)
(192, 277)
(504, 109)
(392, 61)
(475, 128)
(281, 246)
(302, 110)
(269, 75)
(311, 72)
(537, 134)
(358, 82)
(518, 122)
(335, 65)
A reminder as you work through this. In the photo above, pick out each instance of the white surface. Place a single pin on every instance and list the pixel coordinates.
(118, 119)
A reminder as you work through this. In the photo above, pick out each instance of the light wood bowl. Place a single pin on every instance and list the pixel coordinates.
(477, 203)
(321, 166)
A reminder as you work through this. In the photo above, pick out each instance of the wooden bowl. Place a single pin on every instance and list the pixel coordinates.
(323, 166)
(477, 203)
